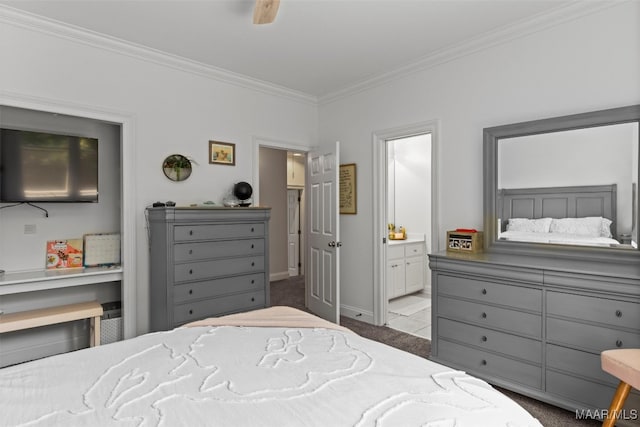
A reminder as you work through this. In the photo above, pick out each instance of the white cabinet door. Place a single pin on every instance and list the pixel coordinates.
(414, 268)
(391, 278)
(395, 271)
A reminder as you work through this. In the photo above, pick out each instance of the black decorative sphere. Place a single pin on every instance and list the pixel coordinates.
(242, 190)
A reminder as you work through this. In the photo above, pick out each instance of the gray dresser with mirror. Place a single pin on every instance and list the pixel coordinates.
(558, 281)
(205, 262)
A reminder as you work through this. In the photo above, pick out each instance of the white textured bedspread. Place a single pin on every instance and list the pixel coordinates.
(248, 376)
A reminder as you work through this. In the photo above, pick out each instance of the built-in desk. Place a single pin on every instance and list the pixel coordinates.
(34, 293)
(38, 280)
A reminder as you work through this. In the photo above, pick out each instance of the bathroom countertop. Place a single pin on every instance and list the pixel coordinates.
(406, 241)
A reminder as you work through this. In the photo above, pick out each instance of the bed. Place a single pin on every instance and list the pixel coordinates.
(272, 367)
(578, 215)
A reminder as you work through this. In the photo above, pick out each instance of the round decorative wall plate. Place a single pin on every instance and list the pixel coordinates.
(176, 167)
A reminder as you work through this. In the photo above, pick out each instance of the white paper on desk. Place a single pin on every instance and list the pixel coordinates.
(101, 249)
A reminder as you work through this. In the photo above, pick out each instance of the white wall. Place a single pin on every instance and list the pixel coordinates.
(175, 110)
(590, 63)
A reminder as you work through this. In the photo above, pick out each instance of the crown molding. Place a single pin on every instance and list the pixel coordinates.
(519, 29)
(540, 22)
(29, 21)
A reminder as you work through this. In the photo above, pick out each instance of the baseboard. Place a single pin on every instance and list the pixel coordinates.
(273, 277)
(357, 314)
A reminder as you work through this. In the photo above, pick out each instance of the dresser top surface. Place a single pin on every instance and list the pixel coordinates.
(557, 264)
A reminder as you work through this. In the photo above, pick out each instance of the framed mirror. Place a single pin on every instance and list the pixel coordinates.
(564, 186)
(176, 167)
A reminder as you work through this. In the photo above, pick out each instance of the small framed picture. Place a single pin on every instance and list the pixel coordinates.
(348, 189)
(222, 153)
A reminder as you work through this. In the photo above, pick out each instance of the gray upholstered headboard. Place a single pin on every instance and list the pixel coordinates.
(558, 202)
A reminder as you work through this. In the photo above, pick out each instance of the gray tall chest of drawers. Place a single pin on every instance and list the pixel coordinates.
(535, 325)
(206, 262)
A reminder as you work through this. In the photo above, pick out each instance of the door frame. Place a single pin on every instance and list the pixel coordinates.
(379, 148)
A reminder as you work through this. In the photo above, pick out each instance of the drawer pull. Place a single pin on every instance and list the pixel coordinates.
(190, 311)
(618, 313)
(190, 232)
(252, 229)
(252, 299)
(619, 343)
(484, 315)
(252, 246)
(483, 362)
(253, 264)
(191, 271)
(190, 251)
(190, 291)
(484, 292)
(253, 281)
(484, 338)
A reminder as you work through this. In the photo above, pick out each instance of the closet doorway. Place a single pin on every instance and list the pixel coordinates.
(281, 180)
(405, 195)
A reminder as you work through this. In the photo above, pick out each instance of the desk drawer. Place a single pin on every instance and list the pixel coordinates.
(482, 362)
(229, 248)
(589, 337)
(184, 313)
(489, 292)
(217, 268)
(621, 314)
(491, 317)
(512, 345)
(212, 288)
(217, 231)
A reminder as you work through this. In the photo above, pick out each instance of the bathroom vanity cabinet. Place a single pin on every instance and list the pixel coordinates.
(405, 268)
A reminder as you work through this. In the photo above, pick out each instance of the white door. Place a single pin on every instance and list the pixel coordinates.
(323, 274)
(293, 231)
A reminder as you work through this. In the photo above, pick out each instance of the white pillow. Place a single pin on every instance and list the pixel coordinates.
(605, 230)
(589, 226)
(540, 225)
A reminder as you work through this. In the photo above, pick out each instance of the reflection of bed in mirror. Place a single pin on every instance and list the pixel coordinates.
(576, 215)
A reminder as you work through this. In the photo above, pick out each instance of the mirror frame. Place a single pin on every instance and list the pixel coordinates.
(492, 135)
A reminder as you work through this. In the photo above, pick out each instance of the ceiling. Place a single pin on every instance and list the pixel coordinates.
(316, 47)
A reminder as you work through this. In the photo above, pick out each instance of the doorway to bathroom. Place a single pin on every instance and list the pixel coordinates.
(405, 226)
(408, 204)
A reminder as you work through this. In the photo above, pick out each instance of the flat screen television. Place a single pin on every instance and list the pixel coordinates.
(46, 167)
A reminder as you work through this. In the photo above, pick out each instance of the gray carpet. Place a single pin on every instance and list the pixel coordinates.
(290, 292)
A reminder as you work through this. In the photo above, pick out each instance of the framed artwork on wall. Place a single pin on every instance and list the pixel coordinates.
(222, 153)
(348, 189)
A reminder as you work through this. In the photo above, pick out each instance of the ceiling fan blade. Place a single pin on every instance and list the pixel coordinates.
(265, 11)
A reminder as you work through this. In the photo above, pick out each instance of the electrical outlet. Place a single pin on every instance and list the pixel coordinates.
(30, 229)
